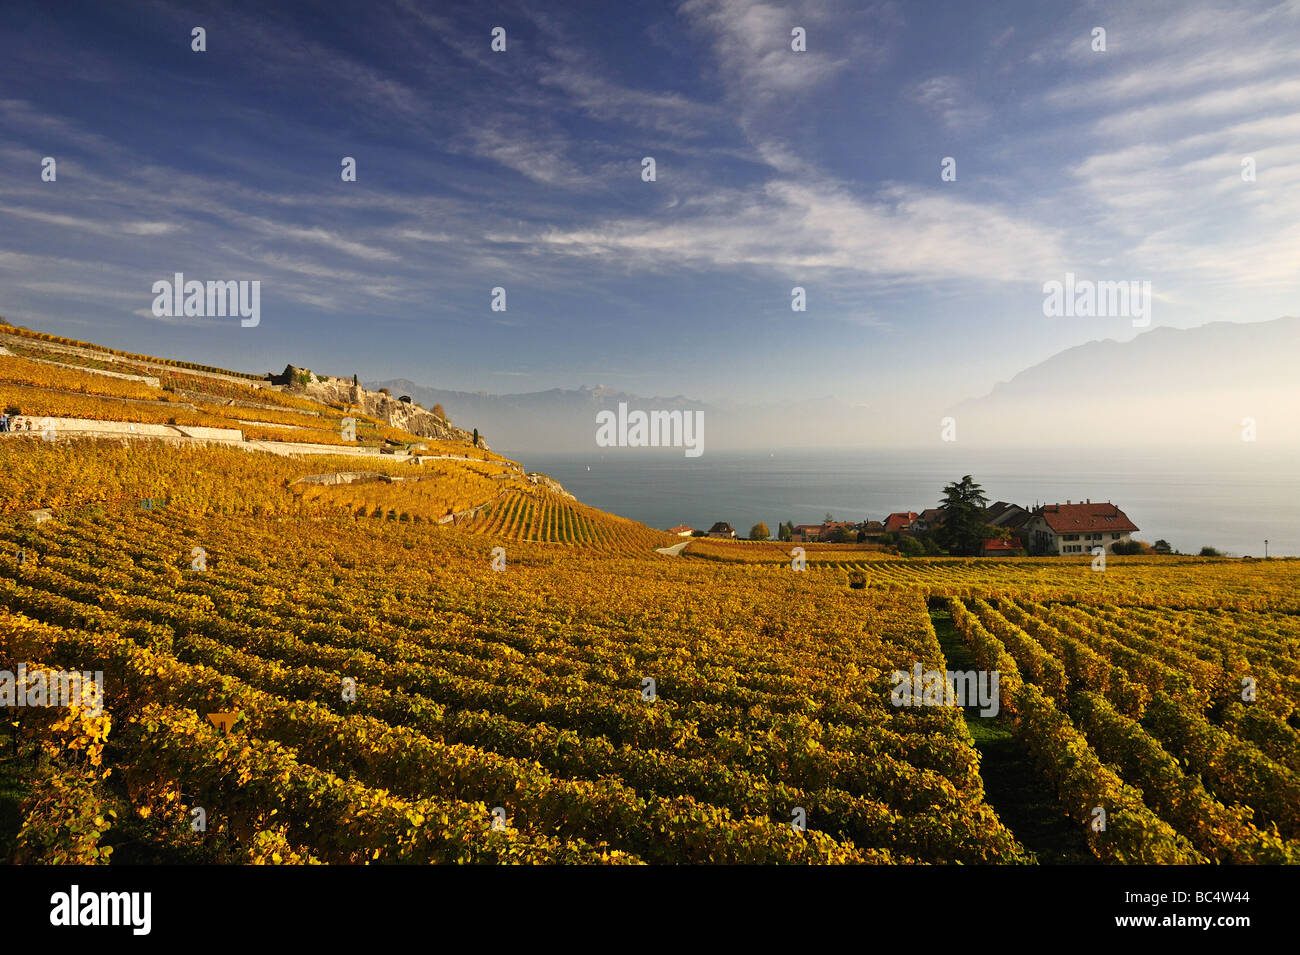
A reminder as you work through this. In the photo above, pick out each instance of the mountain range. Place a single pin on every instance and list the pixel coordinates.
(1211, 385)
(1215, 383)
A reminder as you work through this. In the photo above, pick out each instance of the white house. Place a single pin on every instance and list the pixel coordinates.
(1077, 528)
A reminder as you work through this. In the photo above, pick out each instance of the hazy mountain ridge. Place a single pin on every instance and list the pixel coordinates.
(562, 419)
(1217, 383)
(1165, 386)
(1164, 359)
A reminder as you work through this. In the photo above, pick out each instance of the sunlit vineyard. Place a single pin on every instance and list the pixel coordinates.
(434, 492)
(34, 341)
(477, 689)
(19, 371)
(533, 682)
(1178, 723)
(42, 385)
(36, 403)
(196, 479)
(772, 552)
(542, 515)
(1132, 581)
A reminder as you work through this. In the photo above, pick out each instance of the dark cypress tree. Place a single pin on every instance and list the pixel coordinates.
(964, 502)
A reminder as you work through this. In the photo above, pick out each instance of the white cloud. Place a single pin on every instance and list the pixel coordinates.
(949, 99)
(900, 234)
(149, 228)
(752, 42)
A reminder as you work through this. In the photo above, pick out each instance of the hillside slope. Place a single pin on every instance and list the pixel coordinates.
(45, 376)
(186, 436)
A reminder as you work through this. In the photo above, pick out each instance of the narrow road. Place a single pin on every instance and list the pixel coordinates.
(672, 551)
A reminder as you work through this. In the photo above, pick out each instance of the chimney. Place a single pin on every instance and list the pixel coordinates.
(1089, 501)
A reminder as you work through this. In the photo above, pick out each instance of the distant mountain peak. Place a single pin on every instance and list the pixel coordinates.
(1165, 359)
(1164, 386)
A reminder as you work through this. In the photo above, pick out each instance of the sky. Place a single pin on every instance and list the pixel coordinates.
(523, 169)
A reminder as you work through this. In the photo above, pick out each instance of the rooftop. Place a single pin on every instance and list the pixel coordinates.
(1077, 518)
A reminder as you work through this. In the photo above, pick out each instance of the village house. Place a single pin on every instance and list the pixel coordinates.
(1011, 516)
(824, 531)
(681, 530)
(997, 547)
(928, 520)
(1077, 528)
(900, 522)
(870, 530)
(722, 529)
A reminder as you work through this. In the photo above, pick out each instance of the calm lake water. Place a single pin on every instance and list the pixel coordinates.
(1191, 498)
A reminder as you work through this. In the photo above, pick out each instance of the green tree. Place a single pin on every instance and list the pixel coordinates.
(759, 532)
(476, 437)
(910, 547)
(785, 531)
(828, 518)
(963, 503)
(1162, 547)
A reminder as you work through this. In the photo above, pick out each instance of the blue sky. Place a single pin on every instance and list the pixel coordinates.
(522, 169)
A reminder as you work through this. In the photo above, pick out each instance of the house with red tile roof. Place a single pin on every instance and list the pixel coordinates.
(681, 530)
(823, 531)
(997, 547)
(900, 521)
(1071, 528)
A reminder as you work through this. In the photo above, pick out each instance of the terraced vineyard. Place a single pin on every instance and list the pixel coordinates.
(542, 515)
(435, 492)
(120, 474)
(37, 381)
(398, 694)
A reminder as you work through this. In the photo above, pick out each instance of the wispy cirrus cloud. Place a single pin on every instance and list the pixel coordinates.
(948, 98)
(521, 169)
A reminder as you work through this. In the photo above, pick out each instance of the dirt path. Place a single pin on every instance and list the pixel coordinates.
(674, 551)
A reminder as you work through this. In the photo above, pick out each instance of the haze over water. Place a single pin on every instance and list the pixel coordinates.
(1231, 500)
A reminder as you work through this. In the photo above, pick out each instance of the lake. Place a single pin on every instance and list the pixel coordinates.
(1189, 497)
